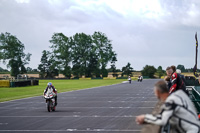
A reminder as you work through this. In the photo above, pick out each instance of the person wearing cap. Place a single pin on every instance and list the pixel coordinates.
(51, 88)
(177, 110)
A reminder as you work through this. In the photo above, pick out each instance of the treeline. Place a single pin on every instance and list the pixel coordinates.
(78, 55)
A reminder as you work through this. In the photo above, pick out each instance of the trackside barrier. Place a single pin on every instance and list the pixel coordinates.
(97, 78)
(109, 78)
(84, 78)
(145, 77)
(195, 96)
(75, 78)
(24, 83)
(4, 83)
(191, 81)
(122, 78)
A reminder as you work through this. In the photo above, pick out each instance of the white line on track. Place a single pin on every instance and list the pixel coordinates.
(91, 102)
(132, 101)
(3, 124)
(76, 116)
(74, 130)
(80, 107)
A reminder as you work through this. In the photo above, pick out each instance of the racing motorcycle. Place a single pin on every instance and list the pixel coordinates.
(50, 101)
(140, 78)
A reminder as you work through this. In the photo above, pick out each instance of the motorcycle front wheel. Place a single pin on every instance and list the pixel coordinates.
(48, 106)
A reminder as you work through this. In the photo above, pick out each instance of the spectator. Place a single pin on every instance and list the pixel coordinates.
(129, 79)
(173, 68)
(176, 81)
(169, 84)
(178, 110)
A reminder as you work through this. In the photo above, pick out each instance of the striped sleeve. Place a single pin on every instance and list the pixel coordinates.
(163, 117)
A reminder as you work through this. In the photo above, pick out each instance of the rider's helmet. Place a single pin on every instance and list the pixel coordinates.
(49, 84)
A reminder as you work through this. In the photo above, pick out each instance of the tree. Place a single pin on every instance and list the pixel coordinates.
(35, 70)
(113, 67)
(48, 68)
(160, 71)
(149, 71)
(81, 45)
(31, 71)
(181, 67)
(93, 66)
(12, 51)
(62, 53)
(127, 70)
(104, 50)
(88, 55)
(3, 70)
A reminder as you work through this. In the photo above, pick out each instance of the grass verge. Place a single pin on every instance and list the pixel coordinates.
(8, 94)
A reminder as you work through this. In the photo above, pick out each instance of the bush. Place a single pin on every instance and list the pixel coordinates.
(149, 71)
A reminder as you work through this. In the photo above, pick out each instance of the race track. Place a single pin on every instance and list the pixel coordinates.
(109, 109)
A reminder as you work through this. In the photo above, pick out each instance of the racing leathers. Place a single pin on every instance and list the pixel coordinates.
(177, 83)
(52, 89)
(179, 112)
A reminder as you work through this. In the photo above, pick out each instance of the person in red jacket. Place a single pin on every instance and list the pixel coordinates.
(176, 81)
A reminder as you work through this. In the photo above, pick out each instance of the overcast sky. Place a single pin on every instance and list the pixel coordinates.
(153, 32)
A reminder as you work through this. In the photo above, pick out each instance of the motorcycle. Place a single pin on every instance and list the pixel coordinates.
(50, 101)
(140, 79)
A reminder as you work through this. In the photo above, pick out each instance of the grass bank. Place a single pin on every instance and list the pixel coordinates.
(61, 85)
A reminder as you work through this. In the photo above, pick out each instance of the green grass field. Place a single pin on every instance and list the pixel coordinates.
(61, 86)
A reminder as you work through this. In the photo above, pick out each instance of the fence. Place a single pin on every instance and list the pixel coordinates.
(191, 81)
(195, 96)
(20, 83)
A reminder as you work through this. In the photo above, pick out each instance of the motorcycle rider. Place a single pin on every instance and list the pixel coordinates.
(129, 79)
(51, 88)
(139, 78)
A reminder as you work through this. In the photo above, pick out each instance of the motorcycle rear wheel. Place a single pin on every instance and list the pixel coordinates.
(54, 108)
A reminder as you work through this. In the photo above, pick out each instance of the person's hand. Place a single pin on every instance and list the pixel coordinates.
(140, 119)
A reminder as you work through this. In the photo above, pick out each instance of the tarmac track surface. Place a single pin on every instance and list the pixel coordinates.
(109, 109)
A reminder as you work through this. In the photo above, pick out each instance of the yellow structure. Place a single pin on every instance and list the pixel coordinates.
(4, 83)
